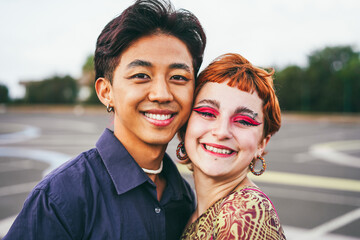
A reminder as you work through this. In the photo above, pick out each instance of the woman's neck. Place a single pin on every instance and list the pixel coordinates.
(209, 189)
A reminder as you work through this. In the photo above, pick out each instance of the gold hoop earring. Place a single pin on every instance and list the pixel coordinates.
(252, 166)
(181, 152)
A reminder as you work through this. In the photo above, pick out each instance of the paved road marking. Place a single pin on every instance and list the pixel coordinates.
(17, 189)
(301, 180)
(54, 159)
(28, 133)
(331, 152)
(311, 181)
(331, 225)
(5, 225)
(312, 196)
(293, 233)
(19, 166)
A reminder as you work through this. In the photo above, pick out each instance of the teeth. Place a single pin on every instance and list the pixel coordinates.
(217, 150)
(158, 116)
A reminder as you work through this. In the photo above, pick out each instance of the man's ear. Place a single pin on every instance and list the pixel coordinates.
(104, 91)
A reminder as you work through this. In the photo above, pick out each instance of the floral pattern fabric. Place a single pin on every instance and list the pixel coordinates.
(244, 214)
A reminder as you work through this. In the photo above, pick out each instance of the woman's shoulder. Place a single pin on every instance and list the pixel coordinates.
(249, 212)
(248, 201)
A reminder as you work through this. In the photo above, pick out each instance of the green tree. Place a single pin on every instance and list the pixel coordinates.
(87, 80)
(4, 94)
(53, 90)
(291, 88)
(331, 79)
(330, 82)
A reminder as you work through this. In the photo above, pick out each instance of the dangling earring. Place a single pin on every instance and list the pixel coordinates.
(252, 166)
(181, 152)
(109, 109)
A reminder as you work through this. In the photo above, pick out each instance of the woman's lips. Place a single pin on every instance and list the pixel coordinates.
(218, 150)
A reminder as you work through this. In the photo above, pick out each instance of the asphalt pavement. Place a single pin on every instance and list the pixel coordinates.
(312, 177)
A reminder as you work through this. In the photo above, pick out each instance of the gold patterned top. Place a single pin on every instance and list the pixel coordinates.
(244, 214)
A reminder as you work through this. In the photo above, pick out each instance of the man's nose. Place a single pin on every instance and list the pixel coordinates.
(160, 91)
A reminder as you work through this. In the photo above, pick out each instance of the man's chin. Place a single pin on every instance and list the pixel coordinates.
(158, 139)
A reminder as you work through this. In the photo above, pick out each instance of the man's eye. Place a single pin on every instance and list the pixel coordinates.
(140, 76)
(179, 78)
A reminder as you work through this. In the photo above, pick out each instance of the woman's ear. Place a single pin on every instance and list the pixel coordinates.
(104, 91)
(263, 144)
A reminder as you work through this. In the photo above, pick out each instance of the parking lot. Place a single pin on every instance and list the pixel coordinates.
(313, 174)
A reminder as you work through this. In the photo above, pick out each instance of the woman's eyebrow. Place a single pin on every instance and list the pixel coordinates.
(246, 110)
(210, 101)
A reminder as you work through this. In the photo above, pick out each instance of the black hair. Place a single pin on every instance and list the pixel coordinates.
(143, 18)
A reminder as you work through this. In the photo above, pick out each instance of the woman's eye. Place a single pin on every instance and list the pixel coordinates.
(247, 121)
(179, 78)
(206, 112)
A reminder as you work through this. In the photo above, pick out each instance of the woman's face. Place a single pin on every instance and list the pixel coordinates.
(225, 130)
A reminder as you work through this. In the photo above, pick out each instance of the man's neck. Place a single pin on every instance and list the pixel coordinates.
(146, 155)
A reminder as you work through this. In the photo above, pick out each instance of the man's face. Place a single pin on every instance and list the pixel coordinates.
(152, 90)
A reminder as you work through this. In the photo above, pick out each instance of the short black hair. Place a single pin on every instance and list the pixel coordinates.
(143, 18)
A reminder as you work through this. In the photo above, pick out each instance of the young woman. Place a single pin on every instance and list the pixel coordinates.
(235, 114)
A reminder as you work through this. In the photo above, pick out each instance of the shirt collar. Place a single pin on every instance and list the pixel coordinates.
(175, 180)
(126, 174)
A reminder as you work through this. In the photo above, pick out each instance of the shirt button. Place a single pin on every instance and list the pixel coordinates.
(157, 210)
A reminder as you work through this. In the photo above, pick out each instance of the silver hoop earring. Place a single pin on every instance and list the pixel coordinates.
(109, 109)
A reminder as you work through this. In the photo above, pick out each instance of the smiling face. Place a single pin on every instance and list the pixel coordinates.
(225, 130)
(152, 90)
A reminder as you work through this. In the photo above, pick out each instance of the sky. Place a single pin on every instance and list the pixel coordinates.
(41, 38)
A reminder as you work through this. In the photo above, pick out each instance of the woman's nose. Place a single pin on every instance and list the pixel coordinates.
(222, 129)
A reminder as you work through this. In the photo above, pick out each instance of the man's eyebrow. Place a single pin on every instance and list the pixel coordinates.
(180, 66)
(246, 110)
(139, 63)
(211, 102)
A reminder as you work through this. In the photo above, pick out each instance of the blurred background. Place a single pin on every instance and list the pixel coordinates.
(49, 111)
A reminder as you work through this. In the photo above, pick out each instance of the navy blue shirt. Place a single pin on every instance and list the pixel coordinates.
(104, 194)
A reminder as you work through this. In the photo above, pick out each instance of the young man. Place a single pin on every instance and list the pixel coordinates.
(127, 187)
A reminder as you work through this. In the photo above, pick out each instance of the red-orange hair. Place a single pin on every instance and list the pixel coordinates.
(246, 77)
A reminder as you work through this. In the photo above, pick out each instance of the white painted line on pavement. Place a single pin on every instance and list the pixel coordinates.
(331, 225)
(5, 225)
(311, 181)
(18, 165)
(54, 159)
(311, 196)
(29, 132)
(294, 233)
(17, 189)
(331, 152)
(302, 180)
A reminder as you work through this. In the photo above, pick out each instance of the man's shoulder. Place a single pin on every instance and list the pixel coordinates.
(69, 173)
